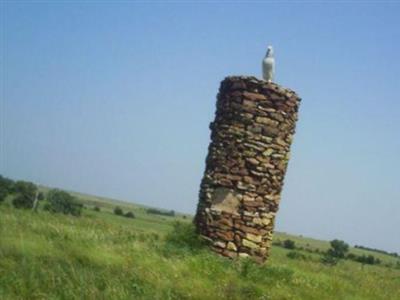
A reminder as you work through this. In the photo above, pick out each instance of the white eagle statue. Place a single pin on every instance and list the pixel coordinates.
(268, 65)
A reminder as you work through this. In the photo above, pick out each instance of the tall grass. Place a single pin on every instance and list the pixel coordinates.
(102, 256)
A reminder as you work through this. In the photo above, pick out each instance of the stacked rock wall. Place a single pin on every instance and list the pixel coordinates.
(245, 167)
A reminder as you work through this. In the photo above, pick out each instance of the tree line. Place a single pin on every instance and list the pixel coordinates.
(155, 211)
(338, 250)
(26, 195)
(394, 254)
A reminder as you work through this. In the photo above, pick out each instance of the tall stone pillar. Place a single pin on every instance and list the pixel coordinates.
(245, 167)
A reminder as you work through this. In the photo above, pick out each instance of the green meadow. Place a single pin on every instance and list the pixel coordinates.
(100, 255)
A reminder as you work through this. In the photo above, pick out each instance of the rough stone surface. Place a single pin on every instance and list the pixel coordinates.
(245, 167)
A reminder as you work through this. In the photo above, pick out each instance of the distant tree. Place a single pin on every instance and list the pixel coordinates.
(130, 214)
(338, 249)
(376, 250)
(156, 211)
(364, 259)
(26, 192)
(25, 187)
(118, 211)
(289, 244)
(368, 260)
(62, 202)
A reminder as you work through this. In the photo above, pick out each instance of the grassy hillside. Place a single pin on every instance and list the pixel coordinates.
(103, 256)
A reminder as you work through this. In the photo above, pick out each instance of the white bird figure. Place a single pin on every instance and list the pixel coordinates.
(268, 65)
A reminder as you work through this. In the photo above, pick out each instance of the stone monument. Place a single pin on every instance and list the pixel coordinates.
(245, 166)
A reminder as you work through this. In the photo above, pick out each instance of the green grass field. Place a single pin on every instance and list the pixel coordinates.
(103, 256)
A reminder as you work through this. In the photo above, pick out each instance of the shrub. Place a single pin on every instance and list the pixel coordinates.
(23, 201)
(289, 244)
(369, 260)
(62, 202)
(130, 214)
(118, 211)
(96, 208)
(338, 249)
(26, 192)
(25, 188)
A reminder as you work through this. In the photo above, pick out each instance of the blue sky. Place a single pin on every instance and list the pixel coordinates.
(115, 99)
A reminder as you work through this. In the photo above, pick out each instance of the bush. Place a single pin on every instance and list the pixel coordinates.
(26, 192)
(338, 249)
(25, 188)
(96, 208)
(62, 202)
(368, 260)
(289, 244)
(130, 214)
(118, 211)
(23, 201)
